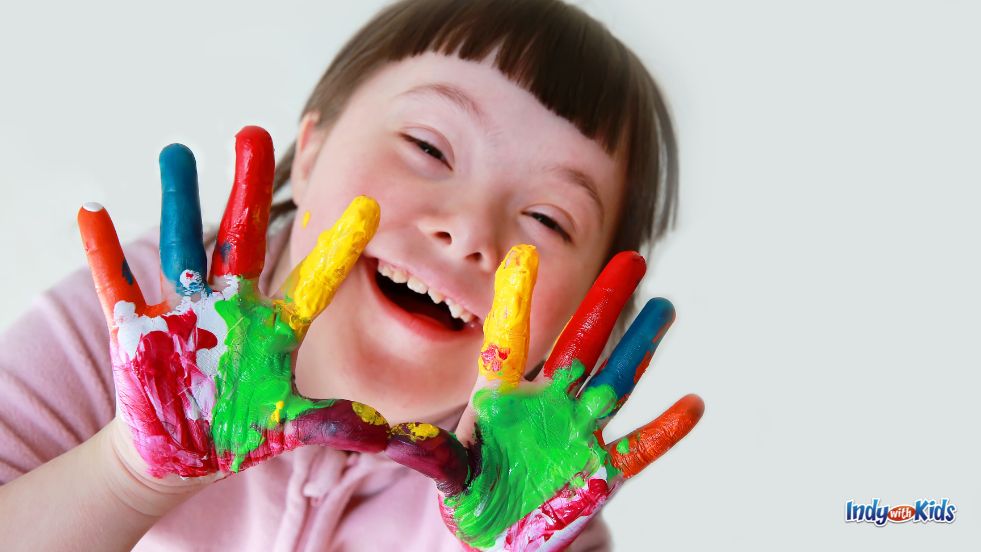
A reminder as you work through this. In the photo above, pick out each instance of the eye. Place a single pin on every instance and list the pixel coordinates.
(428, 148)
(550, 223)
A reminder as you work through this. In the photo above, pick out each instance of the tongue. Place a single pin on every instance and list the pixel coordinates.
(418, 304)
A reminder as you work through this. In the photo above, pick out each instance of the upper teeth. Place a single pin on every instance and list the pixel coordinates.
(400, 276)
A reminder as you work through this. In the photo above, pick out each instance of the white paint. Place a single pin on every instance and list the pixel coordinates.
(131, 328)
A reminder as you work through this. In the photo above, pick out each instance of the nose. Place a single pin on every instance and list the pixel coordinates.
(466, 234)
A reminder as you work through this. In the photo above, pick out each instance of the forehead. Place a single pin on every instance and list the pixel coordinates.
(519, 131)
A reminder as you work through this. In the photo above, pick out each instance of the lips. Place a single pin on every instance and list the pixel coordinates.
(417, 304)
(427, 313)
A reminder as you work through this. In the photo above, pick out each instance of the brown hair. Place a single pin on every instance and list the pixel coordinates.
(568, 60)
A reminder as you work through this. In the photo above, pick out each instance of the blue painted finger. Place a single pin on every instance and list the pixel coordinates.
(182, 256)
(633, 354)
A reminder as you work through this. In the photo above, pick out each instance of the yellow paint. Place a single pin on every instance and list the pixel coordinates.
(306, 219)
(505, 350)
(368, 414)
(313, 283)
(274, 417)
(416, 431)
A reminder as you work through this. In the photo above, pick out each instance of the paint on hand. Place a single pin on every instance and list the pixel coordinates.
(181, 247)
(313, 284)
(255, 383)
(504, 354)
(306, 219)
(368, 414)
(207, 385)
(416, 431)
(533, 443)
(636, 451)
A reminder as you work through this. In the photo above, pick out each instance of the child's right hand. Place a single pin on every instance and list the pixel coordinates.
(205, 388)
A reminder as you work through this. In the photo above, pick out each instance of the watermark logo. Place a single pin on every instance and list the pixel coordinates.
(923, 511)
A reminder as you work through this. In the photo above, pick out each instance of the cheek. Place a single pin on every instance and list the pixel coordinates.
(552, 307)
(336, 179)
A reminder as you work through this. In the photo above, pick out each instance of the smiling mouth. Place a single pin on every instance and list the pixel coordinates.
(418, 304)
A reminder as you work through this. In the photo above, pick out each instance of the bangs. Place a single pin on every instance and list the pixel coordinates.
(573, 66)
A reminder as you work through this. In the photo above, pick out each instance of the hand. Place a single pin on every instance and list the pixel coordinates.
(206, 386)
(529, 467)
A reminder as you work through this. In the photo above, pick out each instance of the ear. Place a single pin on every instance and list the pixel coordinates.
(309, 139)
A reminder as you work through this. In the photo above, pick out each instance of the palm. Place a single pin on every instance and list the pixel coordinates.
(530, 467)
(207, 385)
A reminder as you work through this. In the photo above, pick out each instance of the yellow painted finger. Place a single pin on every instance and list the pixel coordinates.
(505, 351)
(314, 281)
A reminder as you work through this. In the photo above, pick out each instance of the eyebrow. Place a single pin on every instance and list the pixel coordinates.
(464, 102)
(453, 94)
(579, 178)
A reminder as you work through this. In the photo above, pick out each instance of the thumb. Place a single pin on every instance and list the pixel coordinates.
(433, 452)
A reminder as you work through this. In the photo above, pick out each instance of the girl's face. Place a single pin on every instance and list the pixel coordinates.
(464, 164)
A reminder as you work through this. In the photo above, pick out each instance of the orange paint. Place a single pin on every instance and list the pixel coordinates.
(648, 443)
(113, 280)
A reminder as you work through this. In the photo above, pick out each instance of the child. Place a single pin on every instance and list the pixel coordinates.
(472, 137)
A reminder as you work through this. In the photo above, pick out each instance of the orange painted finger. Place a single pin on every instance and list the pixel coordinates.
(312, 285)
(113, 280)
(241, 244)
(636, 451)
(506, 329)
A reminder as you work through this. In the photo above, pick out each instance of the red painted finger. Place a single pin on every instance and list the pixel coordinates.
(636, 451)
(241, 245)
(585, 336)
(113, 280)
(433, 452)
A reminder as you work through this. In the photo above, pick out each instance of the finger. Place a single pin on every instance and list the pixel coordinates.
(182, 257)
(241, 244)
(585, 336)
(633, 354)
(339, 424)
(344, 425)
(114, 282)
(433, 452)
(636, 451)
(314, 281)
(505, 350)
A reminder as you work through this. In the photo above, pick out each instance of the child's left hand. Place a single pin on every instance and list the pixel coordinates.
(533, 468)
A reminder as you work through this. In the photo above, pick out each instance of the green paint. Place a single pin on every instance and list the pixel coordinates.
(623, 447)
(533, 444)
(254, 375)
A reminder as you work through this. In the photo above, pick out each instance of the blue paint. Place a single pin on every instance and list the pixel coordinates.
(181, 247)
(127, 273)
(224, 249)
(641, 339)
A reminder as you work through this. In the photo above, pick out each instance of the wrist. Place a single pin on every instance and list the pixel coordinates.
(126, 477)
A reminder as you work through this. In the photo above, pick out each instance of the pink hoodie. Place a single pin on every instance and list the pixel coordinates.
(56, 390)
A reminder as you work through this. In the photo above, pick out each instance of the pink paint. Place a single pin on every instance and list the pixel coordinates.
(559, 520)
(155, 391)
(493, 357)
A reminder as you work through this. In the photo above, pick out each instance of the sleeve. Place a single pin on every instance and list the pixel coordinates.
(56, 387)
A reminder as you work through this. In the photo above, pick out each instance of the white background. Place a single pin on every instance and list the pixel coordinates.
(825, 268)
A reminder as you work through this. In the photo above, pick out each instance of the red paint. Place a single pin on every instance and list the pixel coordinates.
(569, 505)
(585, 336)
(160, 376)
(241, 245)
(107, 263)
